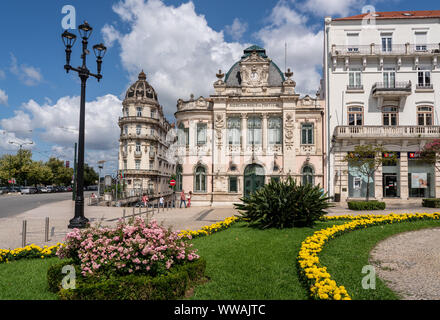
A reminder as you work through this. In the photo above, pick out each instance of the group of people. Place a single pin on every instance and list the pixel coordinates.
(183, 199)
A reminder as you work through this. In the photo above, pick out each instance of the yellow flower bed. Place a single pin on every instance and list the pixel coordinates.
(207, 230)
(319, 281)
(30, 251)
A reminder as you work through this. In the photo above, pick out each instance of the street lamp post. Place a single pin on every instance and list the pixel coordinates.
(100, 166)
(85, 30)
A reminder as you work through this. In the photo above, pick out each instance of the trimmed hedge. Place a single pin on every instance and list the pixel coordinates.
(173, 285)
(431, 203)
(366, 205)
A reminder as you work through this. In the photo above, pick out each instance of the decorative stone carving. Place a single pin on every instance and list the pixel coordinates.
(288, 131)
(219, 125)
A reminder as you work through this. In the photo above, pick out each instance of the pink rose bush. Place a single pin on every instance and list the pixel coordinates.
(142, 248)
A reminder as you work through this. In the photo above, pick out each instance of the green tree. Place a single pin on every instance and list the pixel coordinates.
(16, 166)
(39, 173)
(61, 174)
(90, 175)
(367, 158)
(431, 153)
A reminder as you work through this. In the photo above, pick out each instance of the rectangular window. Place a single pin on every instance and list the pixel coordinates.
(389, 116)
(357, 183)
(389, 78)
(233, 185)
(139, 111)
(421, 177)
(126, 112)
(201, 133)
(152, 131)
(254, 131)
(138, 129)
(151, 164)
(153, 113)
(424, 77)
(275, 131)
(138, 147)
(353, 42)
(234, 130)
(125, 164)
(126, 129)
(387, 41)
(354, 78)
(307, 133)
(421, 40)
(137, 164)
(355, 116)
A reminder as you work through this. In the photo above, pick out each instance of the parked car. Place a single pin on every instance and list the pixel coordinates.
(43, 190)
(50, 189)
(69, 189)
(92, 188)
(28, 190)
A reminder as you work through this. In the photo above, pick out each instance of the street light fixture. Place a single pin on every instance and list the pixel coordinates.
(85, 30)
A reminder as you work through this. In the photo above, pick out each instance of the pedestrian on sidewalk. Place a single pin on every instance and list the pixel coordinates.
(189, 198)
(145, 200)
(161, 200)
(182, 198)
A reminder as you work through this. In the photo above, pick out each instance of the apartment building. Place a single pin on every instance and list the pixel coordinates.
(381, 86)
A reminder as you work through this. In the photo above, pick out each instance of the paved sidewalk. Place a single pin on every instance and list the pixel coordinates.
(60, 213)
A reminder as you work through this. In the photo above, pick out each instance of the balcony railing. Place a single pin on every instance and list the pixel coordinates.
(392, 86)
(355, 87)
(378, 49)
(387, 132)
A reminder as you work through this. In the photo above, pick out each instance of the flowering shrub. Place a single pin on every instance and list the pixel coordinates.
(315, 275)
(207, 230)
(28, 252)
(141, 248)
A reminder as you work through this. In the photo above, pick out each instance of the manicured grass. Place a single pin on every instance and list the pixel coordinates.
(26, 280)
(346, 255)
(247, 263)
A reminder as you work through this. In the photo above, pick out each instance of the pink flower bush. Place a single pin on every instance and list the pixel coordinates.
(141, 248)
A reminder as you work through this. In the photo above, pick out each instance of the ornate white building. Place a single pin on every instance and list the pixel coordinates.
(252, 129)
(143, 145)
(382, 84)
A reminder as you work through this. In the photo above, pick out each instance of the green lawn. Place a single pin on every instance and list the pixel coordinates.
(247, 263)
(346, 255)
(26, 280)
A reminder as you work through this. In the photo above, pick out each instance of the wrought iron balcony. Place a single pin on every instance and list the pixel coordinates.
(402, 88)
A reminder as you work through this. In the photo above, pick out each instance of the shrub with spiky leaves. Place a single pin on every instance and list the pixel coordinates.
(284, 204)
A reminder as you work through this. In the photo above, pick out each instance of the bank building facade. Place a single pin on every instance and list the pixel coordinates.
(252, 129)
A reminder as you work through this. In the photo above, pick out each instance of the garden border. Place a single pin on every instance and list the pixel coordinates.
(315, 276)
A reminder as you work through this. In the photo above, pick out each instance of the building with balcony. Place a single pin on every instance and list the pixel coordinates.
(382, 83)
(252, 129)
(143, 143)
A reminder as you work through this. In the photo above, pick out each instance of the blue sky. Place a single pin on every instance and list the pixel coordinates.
(180, 52)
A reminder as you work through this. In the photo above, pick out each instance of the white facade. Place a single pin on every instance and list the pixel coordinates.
(382, 84)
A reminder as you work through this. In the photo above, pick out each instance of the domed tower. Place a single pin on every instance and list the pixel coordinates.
(142, 143)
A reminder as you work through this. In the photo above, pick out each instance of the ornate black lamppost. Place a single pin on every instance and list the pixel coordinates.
(85, 30)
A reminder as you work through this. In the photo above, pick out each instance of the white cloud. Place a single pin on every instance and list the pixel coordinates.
(304, 46)
(3, 97)
(57, 125)
(338, 8)
(29, 75)
(236, 29)
(177, 49)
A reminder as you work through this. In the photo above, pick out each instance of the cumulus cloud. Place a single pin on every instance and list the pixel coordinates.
(335, 7)
(175, 46)
(29, 75)
(304, 45)
(3, 97)
(57, 125)
(236, 29)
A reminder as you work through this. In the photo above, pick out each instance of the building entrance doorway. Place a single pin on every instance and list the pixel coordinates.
(390, 187)
(253, 178)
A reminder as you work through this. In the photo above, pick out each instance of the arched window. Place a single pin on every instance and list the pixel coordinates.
(307, 175)
(355, 116)
(200, 179)
(424, 116)
(179, 184)
(390, 116)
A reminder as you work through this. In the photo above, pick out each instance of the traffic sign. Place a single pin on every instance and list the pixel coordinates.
(172, 182)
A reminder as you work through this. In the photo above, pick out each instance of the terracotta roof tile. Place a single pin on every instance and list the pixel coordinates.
(425, 14)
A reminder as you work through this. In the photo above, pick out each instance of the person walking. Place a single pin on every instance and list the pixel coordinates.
(182, 198)
(161, 200)
(145, 200)
(189, 198)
